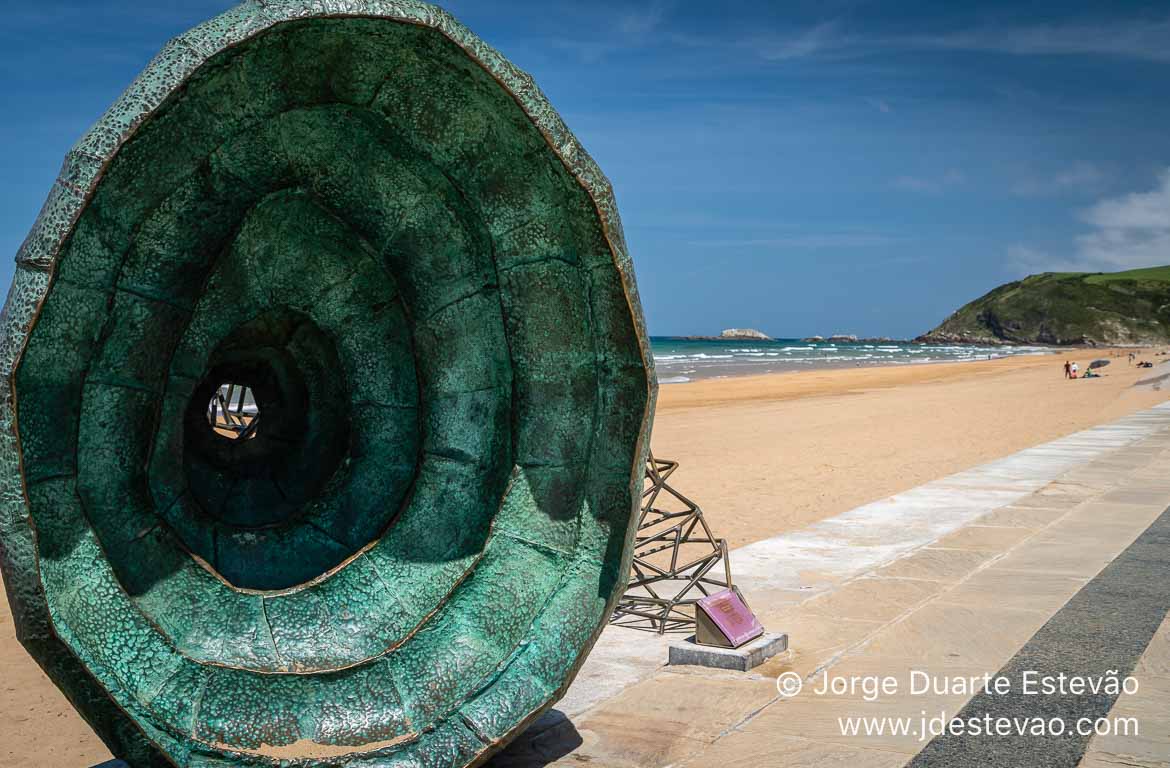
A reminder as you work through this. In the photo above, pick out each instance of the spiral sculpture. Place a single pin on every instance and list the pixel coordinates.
(365, 219)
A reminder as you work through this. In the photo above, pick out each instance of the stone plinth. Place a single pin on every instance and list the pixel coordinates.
(742, 659)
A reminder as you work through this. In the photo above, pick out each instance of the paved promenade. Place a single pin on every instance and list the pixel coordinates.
(1052, 560)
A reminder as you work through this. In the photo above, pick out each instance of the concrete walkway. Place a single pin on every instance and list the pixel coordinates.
(1050, 558)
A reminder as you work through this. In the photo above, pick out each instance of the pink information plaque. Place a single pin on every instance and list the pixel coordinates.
(731, 617)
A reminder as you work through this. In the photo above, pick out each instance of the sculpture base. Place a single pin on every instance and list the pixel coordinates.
(741, 659)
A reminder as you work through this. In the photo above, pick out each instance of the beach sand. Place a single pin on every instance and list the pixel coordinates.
(762, 455)
(767, 454)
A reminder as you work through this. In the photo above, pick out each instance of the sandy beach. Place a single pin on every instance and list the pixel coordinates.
(766, 454)
(762, 455)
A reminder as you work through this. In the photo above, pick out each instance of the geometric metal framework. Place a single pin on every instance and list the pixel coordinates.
(232, 412)
(676, 558)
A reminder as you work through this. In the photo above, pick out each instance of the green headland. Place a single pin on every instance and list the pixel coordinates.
(1065, 308)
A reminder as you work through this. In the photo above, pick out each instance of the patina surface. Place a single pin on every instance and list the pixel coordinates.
(370, 218)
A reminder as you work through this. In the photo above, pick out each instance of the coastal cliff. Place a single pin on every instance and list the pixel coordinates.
(1066, 308)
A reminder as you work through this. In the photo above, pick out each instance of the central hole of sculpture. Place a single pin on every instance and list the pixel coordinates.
(269, 425)
(233, 412)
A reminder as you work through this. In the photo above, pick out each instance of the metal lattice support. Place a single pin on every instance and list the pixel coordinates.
(233, 413)
(675, 554)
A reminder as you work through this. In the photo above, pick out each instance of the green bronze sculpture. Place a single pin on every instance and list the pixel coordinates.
(363, 217)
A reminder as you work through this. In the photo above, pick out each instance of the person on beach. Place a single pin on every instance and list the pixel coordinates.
(1067, 369)
(1073, 371)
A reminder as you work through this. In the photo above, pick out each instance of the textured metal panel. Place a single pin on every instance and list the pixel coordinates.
(366, 214)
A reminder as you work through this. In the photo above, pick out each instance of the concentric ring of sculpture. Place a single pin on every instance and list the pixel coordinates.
(368, 218)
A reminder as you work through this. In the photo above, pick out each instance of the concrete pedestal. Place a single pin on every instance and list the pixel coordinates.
(740, 659)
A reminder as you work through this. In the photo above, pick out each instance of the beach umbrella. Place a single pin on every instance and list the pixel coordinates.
(1098, 363)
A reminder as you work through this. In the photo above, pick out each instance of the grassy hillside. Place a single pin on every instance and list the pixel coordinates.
(1157, 274)
(1130, 307)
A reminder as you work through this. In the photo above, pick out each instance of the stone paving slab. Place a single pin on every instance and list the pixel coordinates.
(1102, 631)
(687, 652)
(1145, 741)
(764, 749)
(957, 574)
(673, 715)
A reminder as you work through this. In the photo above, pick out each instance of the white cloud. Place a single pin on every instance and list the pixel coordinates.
(638, 22)
(1135, 211)
(822, 38)
(1081, 178)
(1026, 260)
(1127, 232)
(635, 27)
(1129, 39)
(931, 184)
(805, 241)
(1146, 39)
(1130, 231)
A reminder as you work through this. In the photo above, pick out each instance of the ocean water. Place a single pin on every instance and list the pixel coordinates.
(682, 360)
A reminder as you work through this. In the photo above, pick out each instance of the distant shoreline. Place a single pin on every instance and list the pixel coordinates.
(682, 359)
(920, 341)
(808, 339)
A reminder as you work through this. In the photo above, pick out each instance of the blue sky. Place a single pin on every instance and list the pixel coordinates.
(800, 167)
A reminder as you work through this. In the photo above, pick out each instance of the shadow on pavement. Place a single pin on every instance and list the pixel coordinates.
(547, 740)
